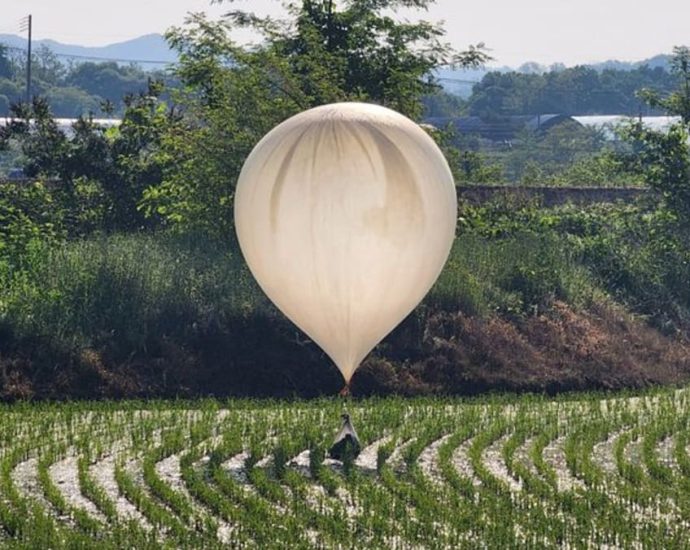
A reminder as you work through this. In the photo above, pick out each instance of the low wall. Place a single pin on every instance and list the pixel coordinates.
(550, 196)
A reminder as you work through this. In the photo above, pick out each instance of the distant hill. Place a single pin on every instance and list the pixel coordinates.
(153, 47)
(661, 60)
(460, 81)
(150, 47)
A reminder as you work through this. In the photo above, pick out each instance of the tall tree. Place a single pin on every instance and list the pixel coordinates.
(576, 90)
(664, 156)
(6, 65)
(321, 52)
(678, 101)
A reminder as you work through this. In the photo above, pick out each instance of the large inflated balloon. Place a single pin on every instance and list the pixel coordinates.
(346, 214)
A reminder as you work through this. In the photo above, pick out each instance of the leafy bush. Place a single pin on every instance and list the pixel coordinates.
(637, 253)
(29, 213)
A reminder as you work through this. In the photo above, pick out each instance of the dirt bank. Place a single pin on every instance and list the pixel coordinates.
(430, 353)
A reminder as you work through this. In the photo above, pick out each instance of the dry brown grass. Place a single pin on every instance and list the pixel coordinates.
(603, 348)
(561, 350)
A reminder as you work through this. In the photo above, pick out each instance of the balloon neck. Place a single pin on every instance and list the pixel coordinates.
(345, 391)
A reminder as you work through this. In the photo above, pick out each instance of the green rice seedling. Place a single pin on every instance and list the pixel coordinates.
(449, 473)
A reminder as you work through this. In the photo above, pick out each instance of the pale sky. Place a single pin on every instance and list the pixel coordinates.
(516, 31)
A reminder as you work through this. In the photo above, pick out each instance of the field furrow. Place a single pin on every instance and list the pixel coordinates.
(604, 473)
(65, 476)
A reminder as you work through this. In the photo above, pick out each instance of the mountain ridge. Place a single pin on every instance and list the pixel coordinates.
(153, 47)
(152, 51)
(146, 49)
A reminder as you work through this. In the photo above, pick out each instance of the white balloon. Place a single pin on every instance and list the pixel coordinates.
(345, 215)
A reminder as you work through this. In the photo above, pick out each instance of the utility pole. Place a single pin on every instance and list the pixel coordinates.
(26, 26)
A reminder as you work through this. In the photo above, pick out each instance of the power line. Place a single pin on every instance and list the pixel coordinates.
(162, 62)
(458, 80)
(99, 58)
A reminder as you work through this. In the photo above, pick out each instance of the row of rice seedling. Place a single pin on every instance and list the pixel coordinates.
(502, 471)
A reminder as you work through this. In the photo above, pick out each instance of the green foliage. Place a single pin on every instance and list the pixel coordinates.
(511, 259)
(119, 162)
(180, 164)
(504, 471)
(677, 101)
(577, 90)
(30, 216)
(602, 169)
(535, 157)
(125, 293)
(233, 95)
(664, 157)
(73, 89)
(636, 253)
(71, 102)
(11, 92)
(468, 166)
(107, 81)
(46, 68)
(475, 167)
(518, 274)
(6, 66)
(355, 50)
(442, 104)
(567, 154)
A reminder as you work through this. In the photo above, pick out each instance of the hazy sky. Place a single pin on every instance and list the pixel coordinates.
(516, 31)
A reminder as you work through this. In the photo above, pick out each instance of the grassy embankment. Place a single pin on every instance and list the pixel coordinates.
(531, 299)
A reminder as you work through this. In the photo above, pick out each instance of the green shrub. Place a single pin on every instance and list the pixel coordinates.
(28, 213)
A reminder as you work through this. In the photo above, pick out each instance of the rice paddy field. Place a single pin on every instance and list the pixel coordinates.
(585, 471)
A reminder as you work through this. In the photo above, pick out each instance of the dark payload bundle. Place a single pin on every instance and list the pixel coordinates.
(346, 444)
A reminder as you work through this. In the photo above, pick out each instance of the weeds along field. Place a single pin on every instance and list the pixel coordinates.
(586, 471)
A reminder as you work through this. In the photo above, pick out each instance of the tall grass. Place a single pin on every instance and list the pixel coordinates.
(516, 274)
(127, 288)
(131, 288)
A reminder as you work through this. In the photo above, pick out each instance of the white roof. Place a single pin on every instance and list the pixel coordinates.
(608, 122)
(64, 123)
